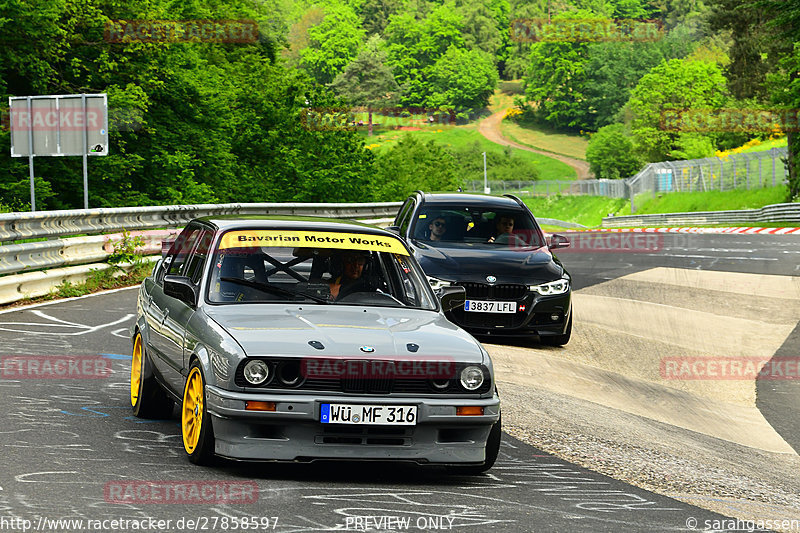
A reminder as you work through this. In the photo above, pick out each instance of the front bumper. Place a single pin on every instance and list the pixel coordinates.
(534, 320)
(294, 431)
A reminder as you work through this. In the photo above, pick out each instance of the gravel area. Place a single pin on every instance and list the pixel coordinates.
(711, 473)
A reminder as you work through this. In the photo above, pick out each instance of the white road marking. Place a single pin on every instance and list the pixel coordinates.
(57, 322)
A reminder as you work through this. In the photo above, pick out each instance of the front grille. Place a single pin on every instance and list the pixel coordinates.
(357, 385)
(505, 291)
(372, 386)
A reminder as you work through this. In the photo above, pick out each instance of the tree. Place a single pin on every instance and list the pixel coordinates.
(784, 83)
(376, 14)
(462, 80)
(333, 43)
(486, 29)
(747, 70)
(367, 81)
(610, 153)
(415, 41)
(412, 165)
(190, 122)
(678, 85)
(614, 68)
(556, 79)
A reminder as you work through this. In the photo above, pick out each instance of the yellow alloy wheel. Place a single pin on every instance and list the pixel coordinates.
(136, 370)
(192, 410)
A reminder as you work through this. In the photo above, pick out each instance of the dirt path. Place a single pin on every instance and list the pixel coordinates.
(490, 128)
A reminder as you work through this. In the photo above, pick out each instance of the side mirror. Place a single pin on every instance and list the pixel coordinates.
(558, 241)
(180, 287)
(452, 297)
(393, 229)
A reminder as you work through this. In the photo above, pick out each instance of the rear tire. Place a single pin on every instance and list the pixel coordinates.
(196, 428)
(492, 450)
(148, 399)
(558, 340)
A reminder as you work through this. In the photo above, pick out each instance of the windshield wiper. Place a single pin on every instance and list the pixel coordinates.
(274, 289)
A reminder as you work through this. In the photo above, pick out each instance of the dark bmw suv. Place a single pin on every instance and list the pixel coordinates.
(493, 247)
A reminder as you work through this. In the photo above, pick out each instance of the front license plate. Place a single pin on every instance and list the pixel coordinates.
(384, 415)
(479, 306)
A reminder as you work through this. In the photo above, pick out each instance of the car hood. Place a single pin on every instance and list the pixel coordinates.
(466, 263)
(287, 330)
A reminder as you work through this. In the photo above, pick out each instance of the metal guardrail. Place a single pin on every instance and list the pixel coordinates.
(58, 251)
(781, 213)
(21, 226)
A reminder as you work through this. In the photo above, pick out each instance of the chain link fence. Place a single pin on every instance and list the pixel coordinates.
(738, 171)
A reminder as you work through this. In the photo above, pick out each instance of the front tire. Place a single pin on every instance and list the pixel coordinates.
(196, 428)
(558, 340)
(148, 399)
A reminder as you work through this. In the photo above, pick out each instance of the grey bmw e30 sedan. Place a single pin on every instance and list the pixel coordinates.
(301, 338)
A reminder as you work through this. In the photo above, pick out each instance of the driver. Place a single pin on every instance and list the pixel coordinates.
(350, 280)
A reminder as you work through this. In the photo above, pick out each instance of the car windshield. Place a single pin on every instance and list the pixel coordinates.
(315, 267)
(478, 227)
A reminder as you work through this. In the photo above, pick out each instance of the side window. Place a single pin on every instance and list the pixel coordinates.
(402, 213)
(404, 223)
(195, 267)
(179, 254)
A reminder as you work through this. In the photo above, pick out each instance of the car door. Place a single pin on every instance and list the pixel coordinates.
(167, 314)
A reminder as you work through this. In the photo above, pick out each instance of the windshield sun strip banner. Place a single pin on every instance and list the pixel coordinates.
(316, 239)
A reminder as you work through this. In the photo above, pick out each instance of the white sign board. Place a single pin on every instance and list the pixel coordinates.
(59, 125)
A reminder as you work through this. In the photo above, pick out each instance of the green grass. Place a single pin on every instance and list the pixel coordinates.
(463, 136)
(684, 202)
(542, 138)
(590, 210)
(586, 210)
(767, 145)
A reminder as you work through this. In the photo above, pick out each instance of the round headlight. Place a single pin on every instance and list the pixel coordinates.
(472, 378)
(256, 372)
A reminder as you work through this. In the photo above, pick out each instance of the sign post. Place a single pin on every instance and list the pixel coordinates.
(59, 125)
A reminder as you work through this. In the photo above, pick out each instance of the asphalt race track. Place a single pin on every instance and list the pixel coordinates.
(73, 450)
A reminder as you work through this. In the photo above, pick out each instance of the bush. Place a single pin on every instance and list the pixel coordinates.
(125, 249)
(611, 154)
(412, 165)
(501, 166)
